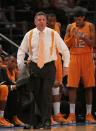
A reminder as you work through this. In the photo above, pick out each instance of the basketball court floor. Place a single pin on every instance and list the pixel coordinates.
(78, 127)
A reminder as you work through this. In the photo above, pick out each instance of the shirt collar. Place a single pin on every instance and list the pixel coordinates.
(38, 31)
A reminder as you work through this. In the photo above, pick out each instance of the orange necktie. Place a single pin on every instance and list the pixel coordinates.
(40, 61)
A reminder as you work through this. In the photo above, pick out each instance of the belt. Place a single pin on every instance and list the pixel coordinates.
(51, 62)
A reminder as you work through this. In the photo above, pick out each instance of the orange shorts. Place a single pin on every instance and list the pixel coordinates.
(81, 66)
(58, 64)
(3, 92)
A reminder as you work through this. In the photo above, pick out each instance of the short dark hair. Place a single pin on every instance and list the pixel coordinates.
(51, 15)
(40, 13)
(80, 12)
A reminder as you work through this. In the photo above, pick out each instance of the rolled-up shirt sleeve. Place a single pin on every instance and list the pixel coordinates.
(63, 49)
(23, 49)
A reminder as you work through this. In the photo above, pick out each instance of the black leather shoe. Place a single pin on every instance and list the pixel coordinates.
(27, 126)
(39, 126)
(47, 124)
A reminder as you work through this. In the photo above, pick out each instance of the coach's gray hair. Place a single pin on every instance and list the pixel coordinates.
(40, 13)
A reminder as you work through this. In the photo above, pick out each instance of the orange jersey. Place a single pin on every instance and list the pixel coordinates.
(57, 27)
(75, 44)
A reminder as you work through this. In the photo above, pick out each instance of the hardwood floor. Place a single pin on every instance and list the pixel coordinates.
(63, 128)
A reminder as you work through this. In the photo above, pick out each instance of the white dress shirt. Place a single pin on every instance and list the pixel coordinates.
(58, 43)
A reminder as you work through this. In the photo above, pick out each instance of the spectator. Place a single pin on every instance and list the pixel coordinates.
(7, 76)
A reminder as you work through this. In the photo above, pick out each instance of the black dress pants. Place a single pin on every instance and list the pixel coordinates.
(41, 83)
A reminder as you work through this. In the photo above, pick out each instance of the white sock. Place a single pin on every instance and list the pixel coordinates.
(72, 108)
(56, 107)
(88, 108)
(55, 91)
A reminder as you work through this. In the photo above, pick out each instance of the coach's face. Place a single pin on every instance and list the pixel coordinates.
(40, 22)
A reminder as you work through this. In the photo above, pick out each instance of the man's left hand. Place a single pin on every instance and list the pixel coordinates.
(65, 71)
